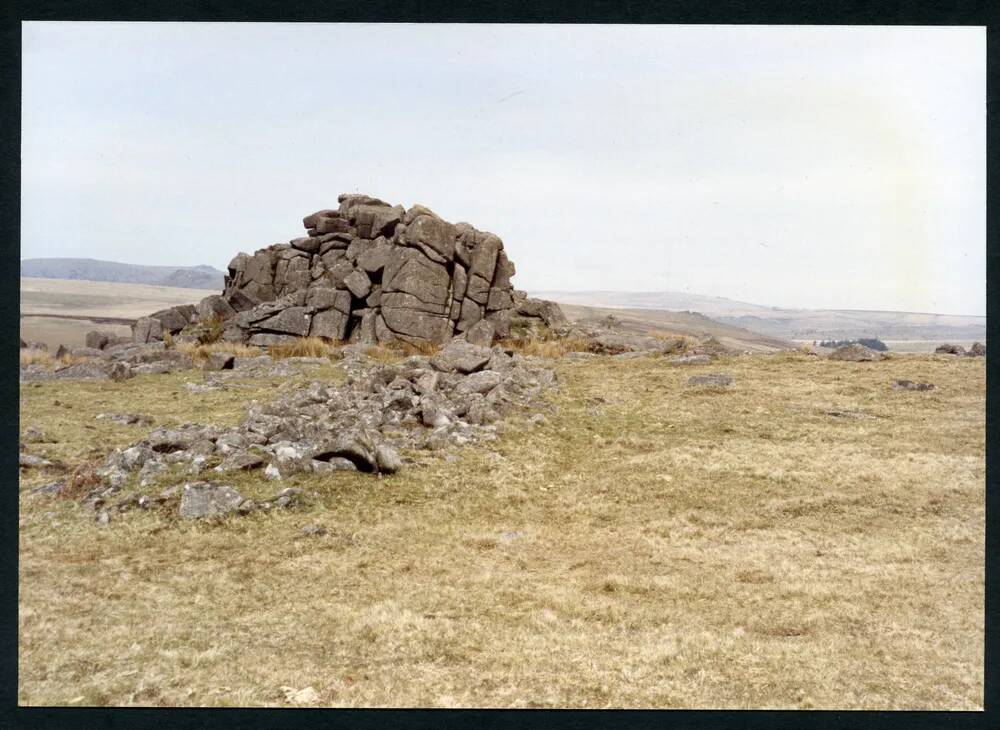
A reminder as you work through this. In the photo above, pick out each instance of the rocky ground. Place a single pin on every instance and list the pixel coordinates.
(598, 519)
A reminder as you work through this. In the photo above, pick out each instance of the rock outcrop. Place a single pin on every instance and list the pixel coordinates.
(365, 272)
(422, 402)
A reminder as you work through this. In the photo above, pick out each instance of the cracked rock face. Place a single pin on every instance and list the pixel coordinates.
(365, 272)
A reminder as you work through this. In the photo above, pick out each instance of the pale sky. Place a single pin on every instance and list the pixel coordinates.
(793, 166)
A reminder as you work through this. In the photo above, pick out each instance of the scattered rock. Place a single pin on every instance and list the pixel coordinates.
(241, 461)
(711, 379)
(978, 349)
(313, 531)
(30, 461)
(125, 419)
(948, 349)
(461, 357)
(77, 352)
(691, 360)
(847, 414)
(87, 370)
(200, 500)
(388, 459)
(51, 488)
(855, 353)
(911, 385)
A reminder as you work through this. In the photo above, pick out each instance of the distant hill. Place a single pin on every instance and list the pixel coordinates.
(790, 324)
(187, 277)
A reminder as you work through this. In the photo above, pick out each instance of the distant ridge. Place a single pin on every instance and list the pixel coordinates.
(790, 324)
(187, 277)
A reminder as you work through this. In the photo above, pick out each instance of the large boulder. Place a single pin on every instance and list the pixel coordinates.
(548, 312)
(366, 271)
(147, 329)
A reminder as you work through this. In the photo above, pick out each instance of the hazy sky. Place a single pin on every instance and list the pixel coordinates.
(792, 166)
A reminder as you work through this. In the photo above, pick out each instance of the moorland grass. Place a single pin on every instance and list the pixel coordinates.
(647, 545)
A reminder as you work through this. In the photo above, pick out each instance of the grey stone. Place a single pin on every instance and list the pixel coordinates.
(911, 385)
(125, 419)
(215, 306)
(855, 353)
(388, 459)
(30, 461)
(147, 329)
(462, 357)
(201, 500)
(358, 283)
(98, 340)
(711, 379)
(94, 370)
(481, 333)
(481, 382)
(690, 360)
(330, 324)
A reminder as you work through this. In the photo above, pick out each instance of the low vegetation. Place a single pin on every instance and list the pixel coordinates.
(306, 347)
(806, 538)
(545, 346)
(200, 352)
(35, 356)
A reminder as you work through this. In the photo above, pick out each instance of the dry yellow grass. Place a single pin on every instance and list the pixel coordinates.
(395, 351)
(550, 346)
(200, 352)
(306, 347)
(33, 356)
(650, 545)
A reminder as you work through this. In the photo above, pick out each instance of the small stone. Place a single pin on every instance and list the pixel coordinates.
(711, 379)
(388, 459)
(313, 531)
(911, 385)
(30, 461)
(690, 360)
(50, 488)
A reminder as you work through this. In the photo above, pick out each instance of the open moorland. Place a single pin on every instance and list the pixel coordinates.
(62, 311)
(807, 537)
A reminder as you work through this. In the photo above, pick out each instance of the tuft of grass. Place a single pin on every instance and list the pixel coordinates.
(551, 347)
(31, 356)
(679, 344)
(199, 352)
(398, 349)
(306, 347)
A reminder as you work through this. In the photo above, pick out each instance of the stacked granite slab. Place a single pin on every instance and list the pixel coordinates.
(365, 272)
